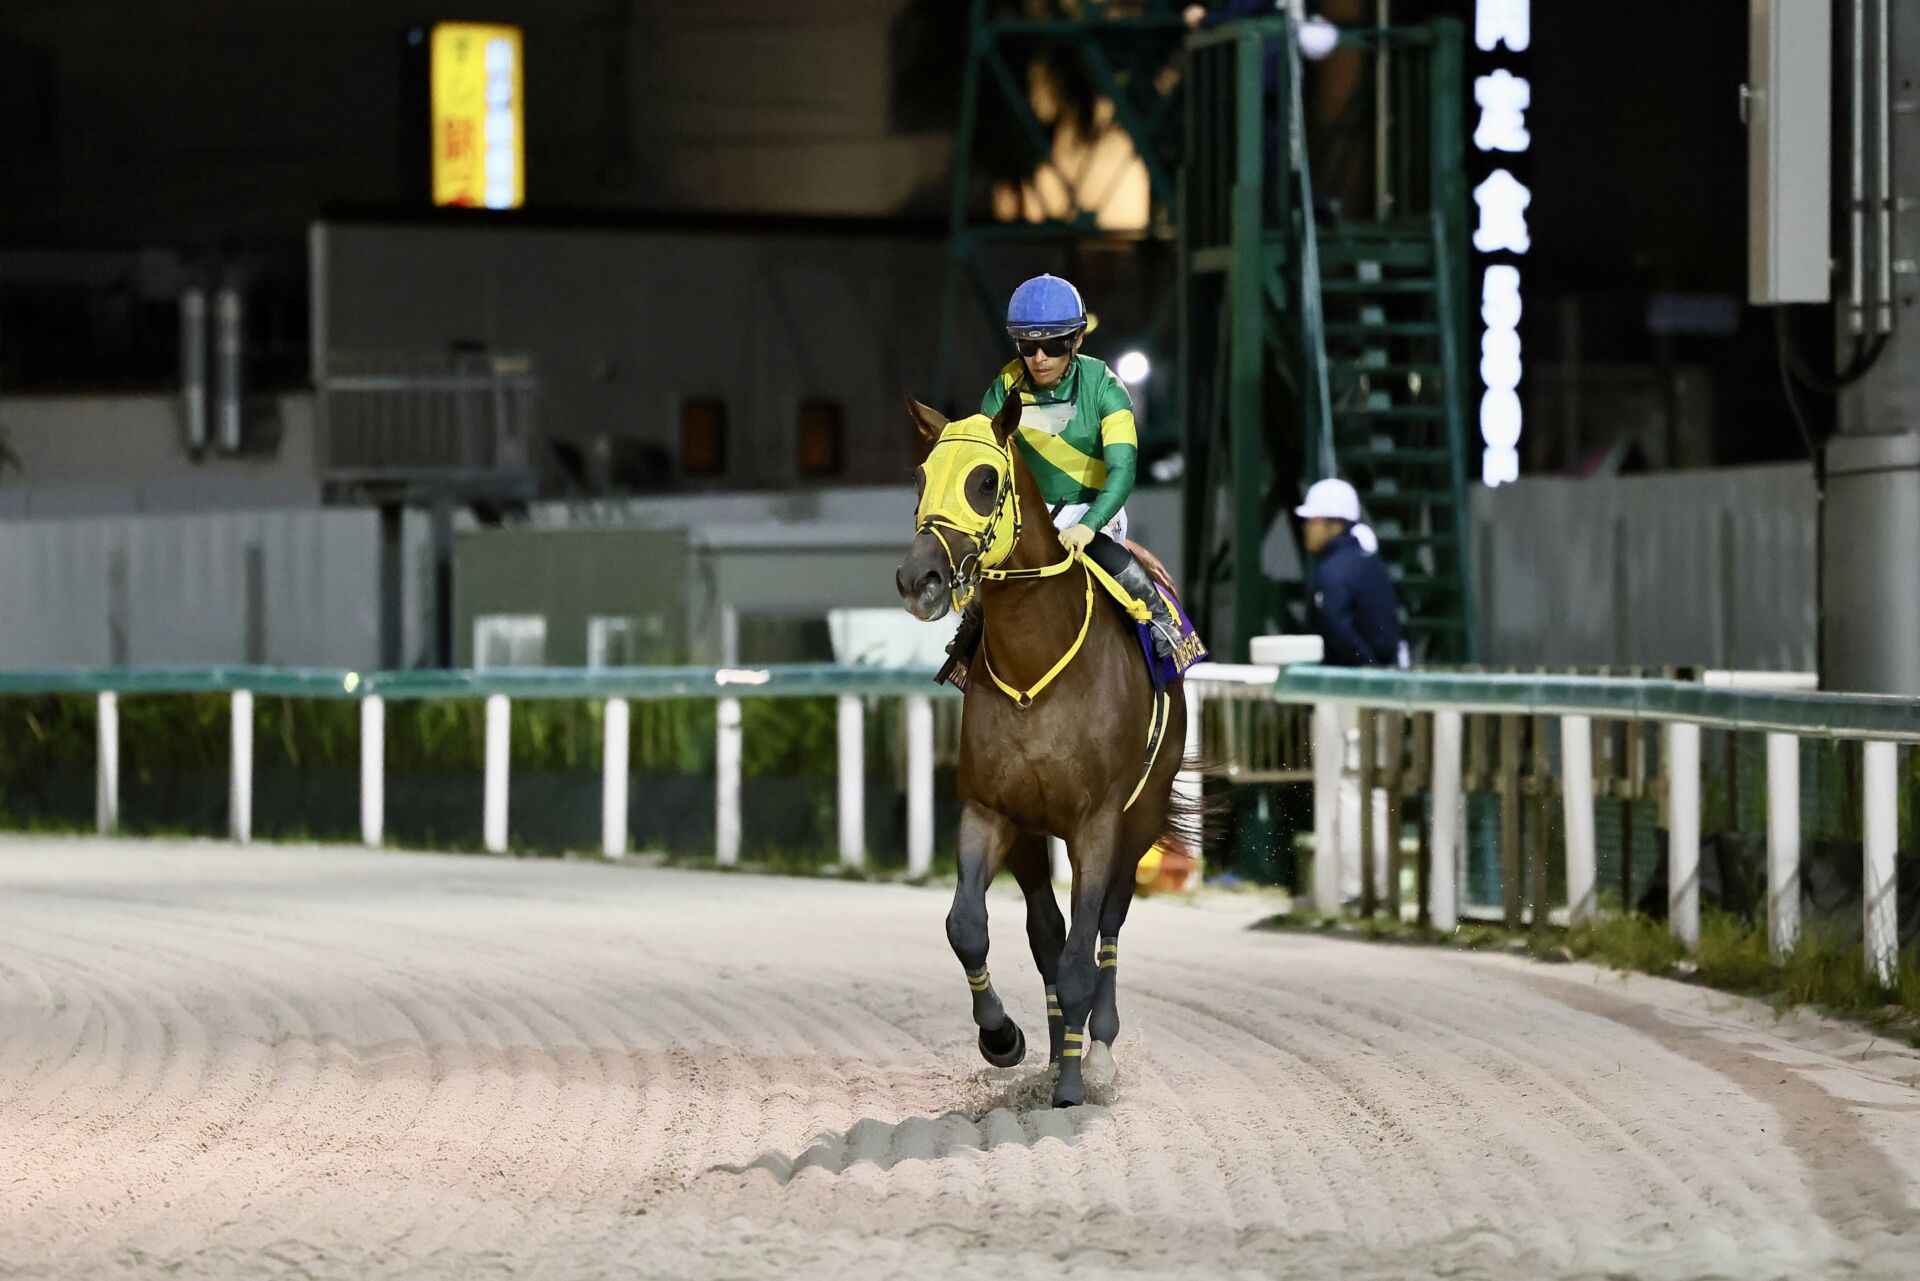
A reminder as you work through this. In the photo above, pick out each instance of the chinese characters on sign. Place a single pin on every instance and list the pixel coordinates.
(1501, 229)
(478, 151)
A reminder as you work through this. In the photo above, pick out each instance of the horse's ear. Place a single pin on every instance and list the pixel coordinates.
(1008, 419)
(926, 418)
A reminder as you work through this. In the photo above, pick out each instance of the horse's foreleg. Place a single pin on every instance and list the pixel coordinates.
(1046, 928)
(1093, 849)
(1104, 1023)
(984, 839)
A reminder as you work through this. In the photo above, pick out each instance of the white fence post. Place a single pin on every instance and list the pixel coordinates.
(615, 738)
(853, 781)
(106, 791)
(240, 768)
(919, 785)
(1683, 833)
(373, 770)
(1443, 896)
(1329, 756)
(1783, 843)
(1576, 790)
(1880, 830)
(499, 724)
(726, 784)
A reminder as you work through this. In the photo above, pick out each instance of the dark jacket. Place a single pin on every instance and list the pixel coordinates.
(1353, 607)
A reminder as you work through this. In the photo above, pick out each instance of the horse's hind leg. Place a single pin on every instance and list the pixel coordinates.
(1046, 928)
(984, 839)
(1104, 1023)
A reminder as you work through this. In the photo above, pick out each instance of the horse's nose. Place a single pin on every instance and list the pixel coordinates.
(911, 588)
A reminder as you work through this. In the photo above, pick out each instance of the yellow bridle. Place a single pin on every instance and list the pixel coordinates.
(964, 445)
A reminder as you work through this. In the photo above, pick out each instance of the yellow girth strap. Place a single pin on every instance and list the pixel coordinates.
(1156, 732)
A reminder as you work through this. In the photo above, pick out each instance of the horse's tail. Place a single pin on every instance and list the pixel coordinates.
(1192, 817)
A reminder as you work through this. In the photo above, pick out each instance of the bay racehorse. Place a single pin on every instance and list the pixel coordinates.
(1058, 739)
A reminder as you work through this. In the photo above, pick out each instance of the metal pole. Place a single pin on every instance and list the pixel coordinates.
(1513, 867)
(1783, 843)
(615, 740)
(919, 785)
(106, 796)
(1369, 860)
(1683, 833)
(1857, 186)
(1884, 197)
(373, 770)
(1329, 752)
(1442, 902)
(726, 752)
(1576, 795)
(1880, 830)
(240, 768)
(495, 801)
(853, 781)
(726, 787)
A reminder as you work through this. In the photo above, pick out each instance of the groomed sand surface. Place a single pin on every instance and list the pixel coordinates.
(327, 1063)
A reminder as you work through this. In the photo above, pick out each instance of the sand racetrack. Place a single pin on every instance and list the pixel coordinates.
(325, 1063)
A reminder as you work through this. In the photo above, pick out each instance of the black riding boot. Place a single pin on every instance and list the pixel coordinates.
(1135, 579)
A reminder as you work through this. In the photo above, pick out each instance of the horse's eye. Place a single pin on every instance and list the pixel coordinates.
(981, 485)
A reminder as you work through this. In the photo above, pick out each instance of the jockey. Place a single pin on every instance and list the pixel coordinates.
(1077, 434)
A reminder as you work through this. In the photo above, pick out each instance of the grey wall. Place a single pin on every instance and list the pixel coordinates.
(1714, 568)
(291, 587)
(120, 455)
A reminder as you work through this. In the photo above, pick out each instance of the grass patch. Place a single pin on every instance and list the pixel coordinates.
(1825, 969)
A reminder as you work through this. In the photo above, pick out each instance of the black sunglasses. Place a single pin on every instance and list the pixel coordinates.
(1051, 346)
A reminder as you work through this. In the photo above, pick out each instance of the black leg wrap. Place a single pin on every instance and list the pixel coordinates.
(1056, 1026)
(1069, 1091)
(1104, 1024)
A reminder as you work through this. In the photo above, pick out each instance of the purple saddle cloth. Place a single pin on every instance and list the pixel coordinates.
(1188, 648)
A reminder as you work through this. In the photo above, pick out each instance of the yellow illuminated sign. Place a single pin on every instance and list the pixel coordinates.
(479, 143)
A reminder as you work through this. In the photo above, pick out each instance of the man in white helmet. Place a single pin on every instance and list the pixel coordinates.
(1354, 609)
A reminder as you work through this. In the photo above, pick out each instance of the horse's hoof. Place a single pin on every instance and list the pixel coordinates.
(1005, 1046)
(1069, 1095)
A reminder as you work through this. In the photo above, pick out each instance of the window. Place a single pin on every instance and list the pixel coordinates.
(509, 640)
(822, 438)
(703, 436)
(625, 641)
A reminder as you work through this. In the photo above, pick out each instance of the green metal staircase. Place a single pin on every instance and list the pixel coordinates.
(1390, 342)
(1314, 345)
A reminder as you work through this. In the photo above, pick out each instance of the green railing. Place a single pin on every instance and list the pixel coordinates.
(791, 680)
(613, 723)
(1535, 738)
(1851, 716)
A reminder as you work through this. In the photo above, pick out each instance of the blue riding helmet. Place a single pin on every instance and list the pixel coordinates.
(1045, 307)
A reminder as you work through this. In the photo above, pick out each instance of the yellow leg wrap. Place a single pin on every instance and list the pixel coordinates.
(1076, 1045)
(979, 982)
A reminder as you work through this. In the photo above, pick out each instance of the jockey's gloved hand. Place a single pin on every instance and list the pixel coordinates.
(1076, 537)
